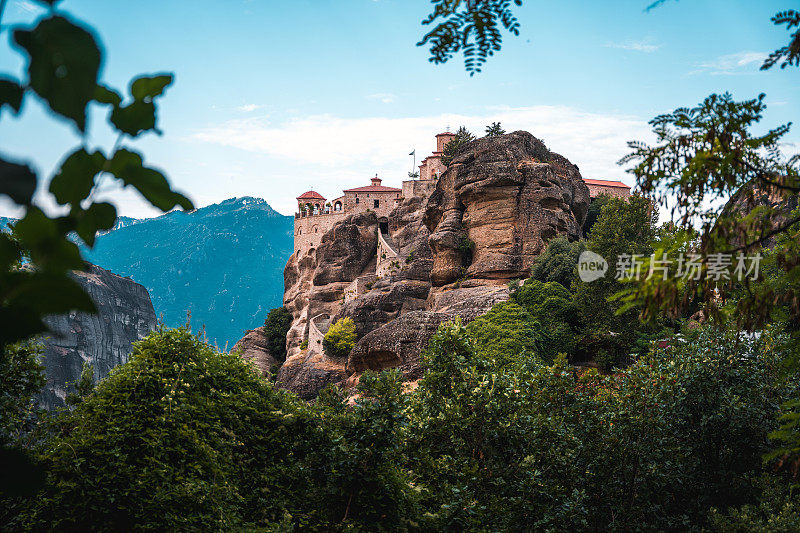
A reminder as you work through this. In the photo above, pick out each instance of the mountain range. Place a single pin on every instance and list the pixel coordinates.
(222, 263)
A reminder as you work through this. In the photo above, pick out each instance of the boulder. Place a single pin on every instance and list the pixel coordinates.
(397, 344)
(254, 346)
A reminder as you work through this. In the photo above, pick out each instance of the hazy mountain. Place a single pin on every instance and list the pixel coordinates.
(224, 263)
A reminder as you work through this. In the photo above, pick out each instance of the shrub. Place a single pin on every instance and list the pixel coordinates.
(558, 262)
(276, 326)
(340, 338)
(505, 335)
(550, 304)
(182, 437)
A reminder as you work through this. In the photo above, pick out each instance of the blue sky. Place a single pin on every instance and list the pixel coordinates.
(272, 98)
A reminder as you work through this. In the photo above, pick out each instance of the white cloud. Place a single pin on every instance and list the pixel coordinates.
(647, 46)
(27, 6)
(331, 152)
(386, 98)
(249, 108)
(738, 63)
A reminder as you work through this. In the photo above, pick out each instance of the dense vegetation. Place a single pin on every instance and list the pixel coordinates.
(684, 416)
(184, 437)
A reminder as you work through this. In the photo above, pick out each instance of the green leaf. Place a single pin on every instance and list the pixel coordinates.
(17, 182)
(50, 293)
(105, 95)
(75, 178)
(11, 94)
(64, 60)
(128, 166)
(134, 118)
(146, 88)
(10, 252)
(44, 239)
(97, 217)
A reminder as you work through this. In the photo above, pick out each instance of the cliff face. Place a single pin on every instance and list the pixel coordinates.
(448, 252)
(125, 314)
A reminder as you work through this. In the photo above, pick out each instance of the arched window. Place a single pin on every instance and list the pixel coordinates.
(316, 229)
(299, 231)
(337, 206)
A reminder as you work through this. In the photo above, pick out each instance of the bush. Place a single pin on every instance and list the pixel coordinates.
(550, 304)
(654, 447)
(340, 338)
(505, 335)
(182, 437)
(276, 326)
(558, 262)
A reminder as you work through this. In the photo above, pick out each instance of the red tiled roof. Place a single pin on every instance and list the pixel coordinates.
(374, 188)
(444, 133)
(606, 183)
(311, 195)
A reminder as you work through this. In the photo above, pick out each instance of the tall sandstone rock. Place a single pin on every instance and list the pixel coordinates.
(484, 222)
(125, 315)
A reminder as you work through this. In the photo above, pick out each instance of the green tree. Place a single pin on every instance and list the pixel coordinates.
(340, 337)
(494, 130)
(625, 228)
(559, 262)
(276, 326)
(462, 137)
(506, 335)
(550, 306)
(181, 437)
(595, 207)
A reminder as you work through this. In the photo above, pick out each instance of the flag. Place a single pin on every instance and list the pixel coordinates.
(414, 152)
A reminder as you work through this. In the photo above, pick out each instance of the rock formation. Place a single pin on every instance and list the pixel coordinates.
(254, 346)
(448, 251)
(125, 314)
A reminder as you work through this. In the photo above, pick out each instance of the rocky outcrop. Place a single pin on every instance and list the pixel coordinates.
(396, 344)
(254, 346)
(779, 204)
(124, 315)
(453, 251)
(500, 201)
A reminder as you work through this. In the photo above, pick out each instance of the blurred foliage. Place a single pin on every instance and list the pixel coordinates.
(62, 63)
(788, 55)
(472, 27)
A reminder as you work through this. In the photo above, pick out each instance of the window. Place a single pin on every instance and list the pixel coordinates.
(377, 204)
(356, 200)
(337, 206)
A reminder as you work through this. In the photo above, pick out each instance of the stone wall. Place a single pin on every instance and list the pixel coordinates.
(359, 286)
(389, 262)
(309, 229)
(419, 188)
(617, 192)
(366, 202)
